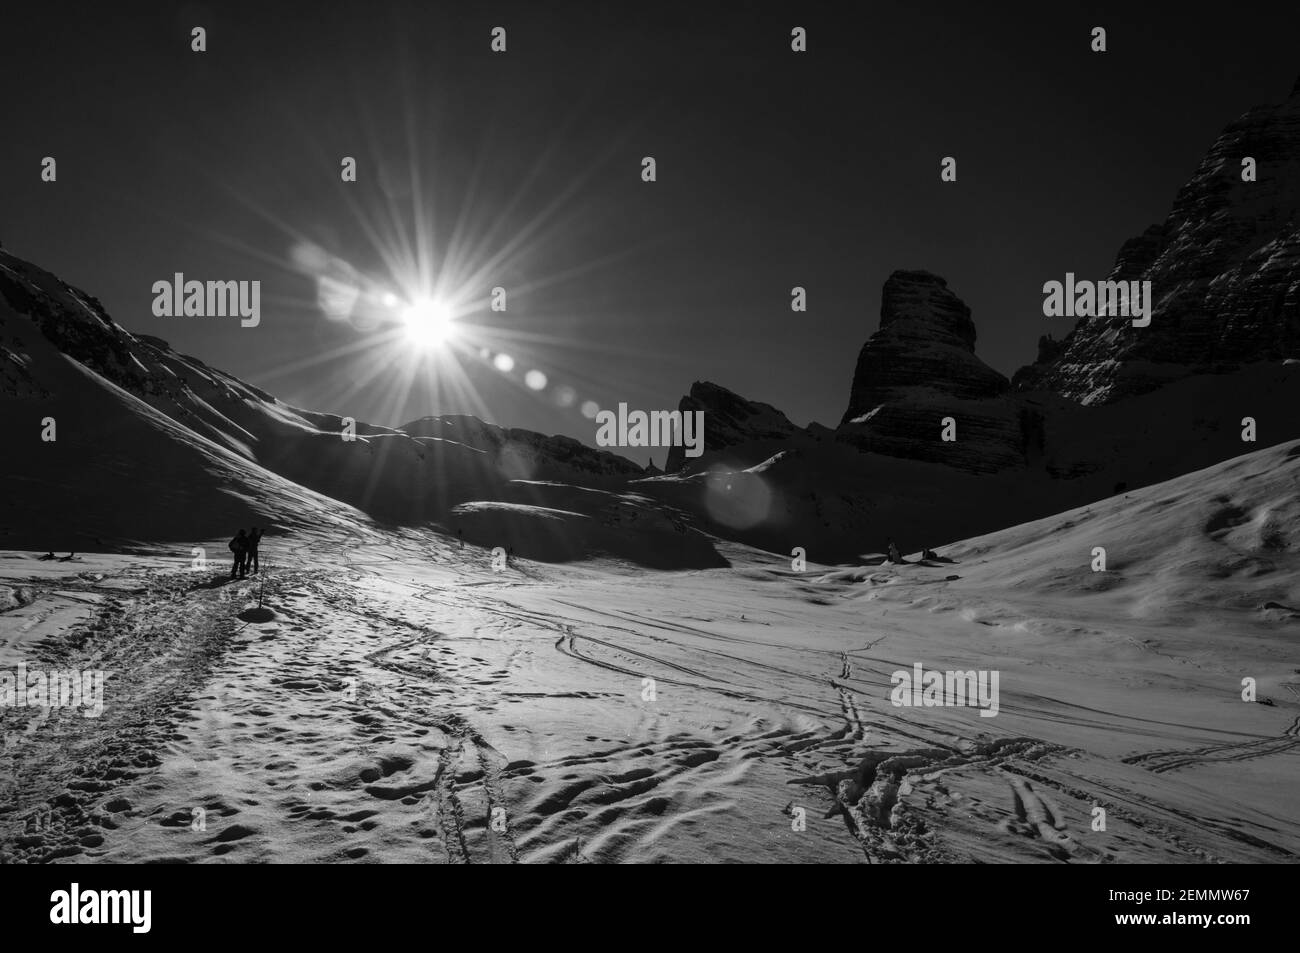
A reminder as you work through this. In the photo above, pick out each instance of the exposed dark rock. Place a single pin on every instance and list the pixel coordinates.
(926, 339)
(919, 368)
(729, 420)
(1224, 269)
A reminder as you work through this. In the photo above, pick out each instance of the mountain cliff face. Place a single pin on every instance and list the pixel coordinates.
(926, 339)
(1224, 268)
(919, 368)
(730, 421)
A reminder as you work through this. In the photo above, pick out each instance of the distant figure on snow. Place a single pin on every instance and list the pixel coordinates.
(254, 537)
(894, 556)
(929, 554)
(47, 556)
(239, 546)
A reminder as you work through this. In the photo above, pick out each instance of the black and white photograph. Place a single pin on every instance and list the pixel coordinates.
(651, 433)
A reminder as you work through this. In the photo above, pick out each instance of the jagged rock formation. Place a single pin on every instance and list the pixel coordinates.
(1224, 269)
(926, 339)
(919, 368)
(729, 421)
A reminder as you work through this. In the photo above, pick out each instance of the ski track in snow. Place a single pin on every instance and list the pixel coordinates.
(402, 702)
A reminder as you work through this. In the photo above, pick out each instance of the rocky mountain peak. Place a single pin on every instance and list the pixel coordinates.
(919, 302)
(729, 420)
(926, 339)
(1224, 268)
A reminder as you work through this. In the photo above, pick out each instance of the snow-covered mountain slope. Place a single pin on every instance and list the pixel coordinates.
(151, 444)
(119, 467)
(525, 454)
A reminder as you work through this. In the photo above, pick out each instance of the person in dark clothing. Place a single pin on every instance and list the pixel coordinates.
(894, 555)
(239, 546)
(254, 537)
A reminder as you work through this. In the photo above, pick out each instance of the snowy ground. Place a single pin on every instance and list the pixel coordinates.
(398, 700)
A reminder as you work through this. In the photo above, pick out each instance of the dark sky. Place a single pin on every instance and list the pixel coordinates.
(775, 169)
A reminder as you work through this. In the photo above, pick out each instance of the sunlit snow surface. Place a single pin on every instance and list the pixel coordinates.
(403, 701)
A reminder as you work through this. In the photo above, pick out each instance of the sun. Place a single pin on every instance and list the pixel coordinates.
(428, 323)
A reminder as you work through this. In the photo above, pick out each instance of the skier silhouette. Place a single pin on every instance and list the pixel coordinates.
(239, 546)
(254, 537)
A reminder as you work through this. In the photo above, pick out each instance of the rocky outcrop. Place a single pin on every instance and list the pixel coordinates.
(989, 435)
(926, 339)
(919, 368)
(75, 323)
(1224, 269)
(730, 421)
